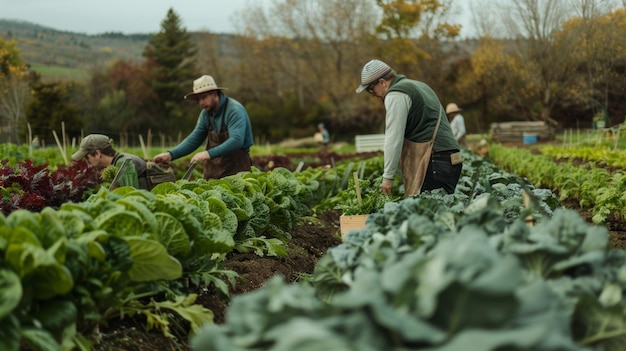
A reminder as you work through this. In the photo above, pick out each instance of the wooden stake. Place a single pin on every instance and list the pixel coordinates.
(56, 138)
(149, 140)
(530, 220)
(358, 188)
(64, 137)
(143, 148)
(30, 138)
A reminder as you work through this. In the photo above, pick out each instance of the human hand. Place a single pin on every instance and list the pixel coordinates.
(163, 158)
(201, 157)
(385, 187)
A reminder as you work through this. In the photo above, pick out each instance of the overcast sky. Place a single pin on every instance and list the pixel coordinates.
(131, 16)
(126, 16)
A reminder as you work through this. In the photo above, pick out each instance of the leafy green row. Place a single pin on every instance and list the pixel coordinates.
(601, 155)
(62, 272)
(447, 272)
(593, 187)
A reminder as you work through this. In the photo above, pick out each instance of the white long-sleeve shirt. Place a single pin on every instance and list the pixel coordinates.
(397, 106)
(458, 126)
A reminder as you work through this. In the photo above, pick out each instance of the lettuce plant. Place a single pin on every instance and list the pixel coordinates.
(33, 187)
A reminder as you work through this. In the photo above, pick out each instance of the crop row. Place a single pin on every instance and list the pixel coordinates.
(498, 265)
(594, 187)
(65, 271)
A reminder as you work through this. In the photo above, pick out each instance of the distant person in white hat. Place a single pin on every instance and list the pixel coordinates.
(418, 137)
(98, 150)
(457, 123)
(224, 122)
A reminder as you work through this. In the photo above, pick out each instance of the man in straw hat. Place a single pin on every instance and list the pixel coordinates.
(225, 123)
(457, 123)
(418, 138)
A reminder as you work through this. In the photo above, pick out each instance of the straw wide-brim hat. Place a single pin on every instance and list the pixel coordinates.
(202, 85)
(452, 107)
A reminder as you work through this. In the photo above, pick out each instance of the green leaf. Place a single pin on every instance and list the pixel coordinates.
(217, 206)
(25, 219)
(49, 279)
(197, 315)
(151, 261)
(147, 216)
(92, 240)
(40, 340)
(73, 223)
(55, 316)
(165, 188)
(214, 241)
(120, 223)
(10, 292)
(10, 333)
(602, 328)
(54, 227)
(171, 233)
(40, 270)
(261, 246)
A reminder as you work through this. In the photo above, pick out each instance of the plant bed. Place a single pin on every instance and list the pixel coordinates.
(311, 240)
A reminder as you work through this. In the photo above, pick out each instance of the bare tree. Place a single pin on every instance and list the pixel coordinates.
(14, 93)
(603, 48)
(311, 50)
(546, 64)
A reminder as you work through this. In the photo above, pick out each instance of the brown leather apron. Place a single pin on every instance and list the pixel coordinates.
(414, 161)
(229, 164)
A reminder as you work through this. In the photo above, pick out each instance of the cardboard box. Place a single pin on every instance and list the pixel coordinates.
(348, 223)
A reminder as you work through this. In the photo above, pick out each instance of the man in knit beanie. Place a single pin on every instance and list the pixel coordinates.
(419, 143)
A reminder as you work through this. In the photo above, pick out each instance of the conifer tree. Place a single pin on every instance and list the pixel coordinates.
(170, 60)
(50, 108)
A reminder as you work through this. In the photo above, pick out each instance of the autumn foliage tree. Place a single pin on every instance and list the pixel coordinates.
(598, 86)
(14, 92)
(413, 31)
(118, 98)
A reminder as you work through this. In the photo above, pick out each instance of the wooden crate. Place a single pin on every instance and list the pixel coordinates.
(348, 223)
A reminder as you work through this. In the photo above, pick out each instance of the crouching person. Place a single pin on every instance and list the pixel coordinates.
(98, 150)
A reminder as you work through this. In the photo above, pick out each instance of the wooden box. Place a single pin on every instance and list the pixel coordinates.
(348, 223)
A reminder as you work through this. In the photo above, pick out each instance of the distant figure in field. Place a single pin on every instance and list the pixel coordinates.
(322, 137)
(482, 148)
(457, 123)
(36, 144)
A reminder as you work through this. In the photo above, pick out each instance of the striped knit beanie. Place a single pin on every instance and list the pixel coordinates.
(372, 71)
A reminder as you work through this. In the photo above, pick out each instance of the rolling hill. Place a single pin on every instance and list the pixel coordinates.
(62, 55)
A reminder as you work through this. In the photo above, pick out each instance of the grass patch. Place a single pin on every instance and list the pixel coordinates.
(56, 73)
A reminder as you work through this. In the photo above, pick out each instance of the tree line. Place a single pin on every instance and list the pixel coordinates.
(297, 63)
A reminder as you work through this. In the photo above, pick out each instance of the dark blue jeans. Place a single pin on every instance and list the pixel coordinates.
(441, 173)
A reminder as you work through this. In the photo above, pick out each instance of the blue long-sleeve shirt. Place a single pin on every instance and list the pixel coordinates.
(238, 124)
